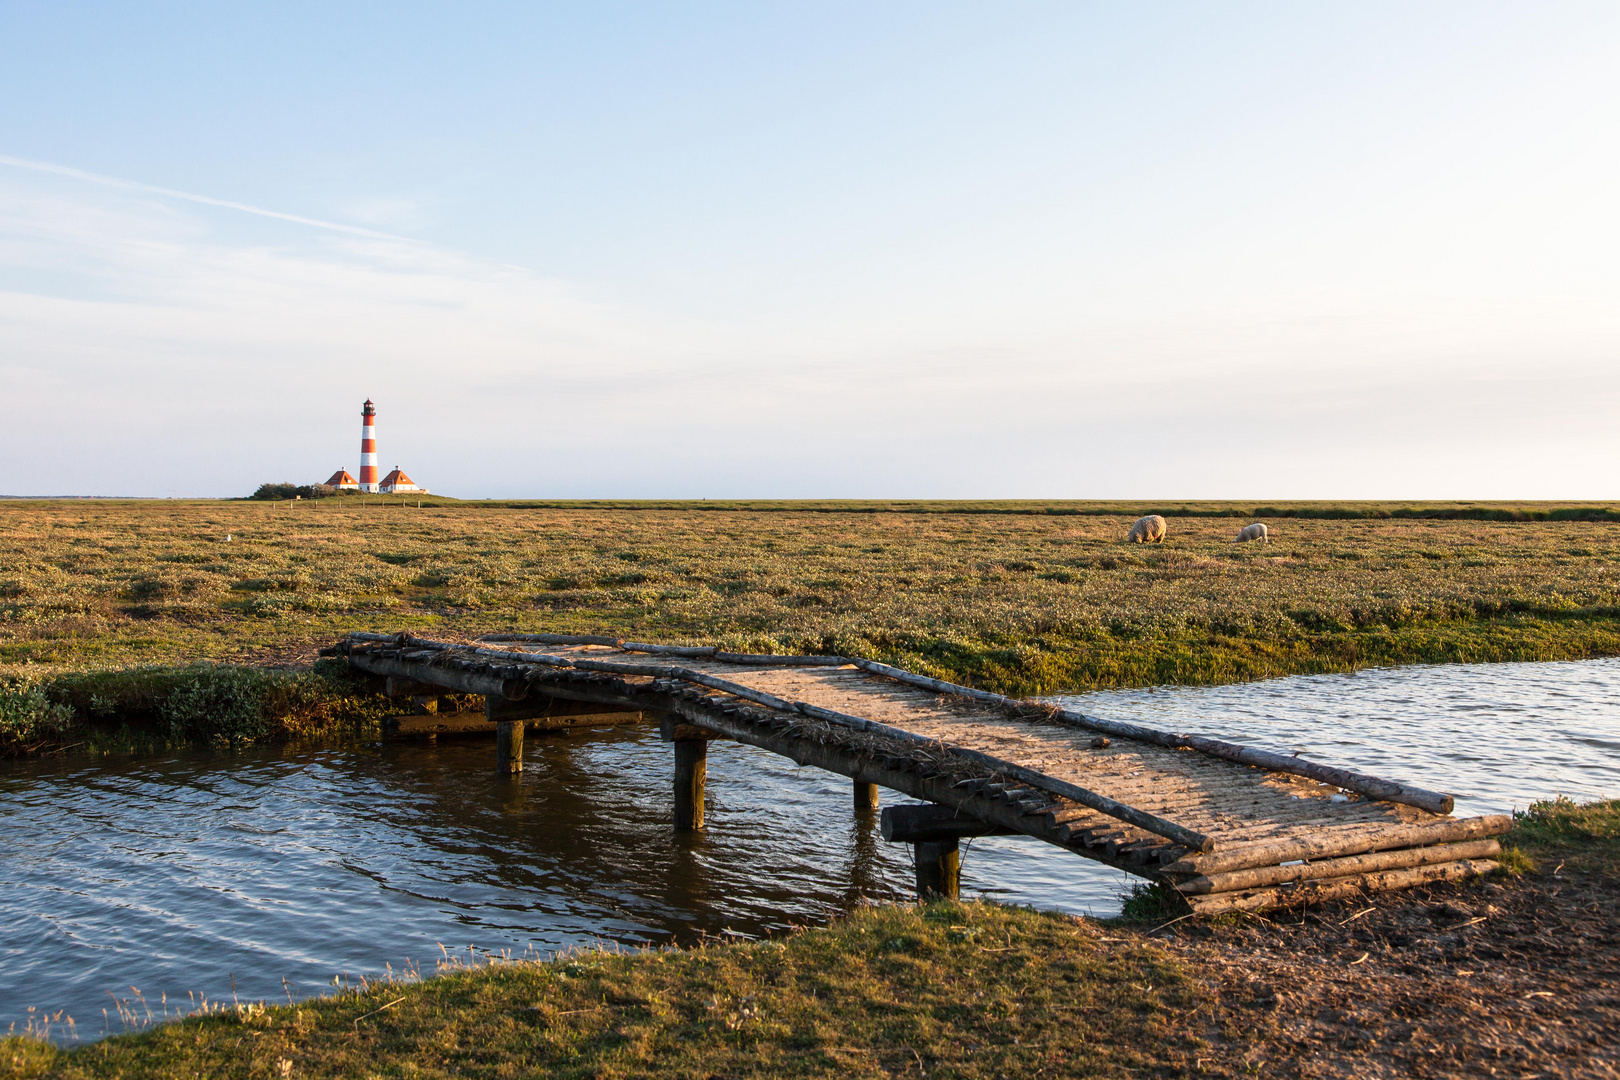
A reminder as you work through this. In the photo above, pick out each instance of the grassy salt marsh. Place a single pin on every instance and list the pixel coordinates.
(1022, 598)
(1018, 597)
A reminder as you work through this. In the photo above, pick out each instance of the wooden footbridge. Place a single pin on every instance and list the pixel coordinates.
(1230, 827)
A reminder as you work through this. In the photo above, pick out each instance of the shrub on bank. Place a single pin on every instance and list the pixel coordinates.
(28, 716)
(283, 491)
(194, 703)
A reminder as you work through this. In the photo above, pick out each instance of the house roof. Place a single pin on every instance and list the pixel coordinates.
(340, 478)
(397, 477)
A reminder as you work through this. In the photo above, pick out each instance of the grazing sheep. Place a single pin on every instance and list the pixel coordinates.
(1147, 530)
(1257, 531)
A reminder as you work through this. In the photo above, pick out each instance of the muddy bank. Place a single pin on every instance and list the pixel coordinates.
(1512, 977)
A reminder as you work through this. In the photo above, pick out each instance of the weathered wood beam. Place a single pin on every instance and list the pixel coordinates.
(920, 822)
(440, 679)
(475, 723)
(1316, 892)
(692, 651)
(672, 730)
(770, 660)
(581, 692)
(554, 639)
(1330, 845)
(1403, 859)
(544, 706)
(455, 724)
(866, 796)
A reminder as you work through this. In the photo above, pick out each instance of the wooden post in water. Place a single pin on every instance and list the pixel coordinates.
(508, 717)
(866, 796)
(691, 770)
(509, 746)
(939, 869)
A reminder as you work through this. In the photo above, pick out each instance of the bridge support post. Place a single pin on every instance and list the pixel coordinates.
(509, 746)
(939, 869)
(866, 796)
(691, 770)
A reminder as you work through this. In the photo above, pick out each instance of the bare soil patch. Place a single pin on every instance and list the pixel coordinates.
(1520, 979)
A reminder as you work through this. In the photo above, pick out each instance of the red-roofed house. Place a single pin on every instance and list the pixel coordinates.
(397, 483)
(343, 481)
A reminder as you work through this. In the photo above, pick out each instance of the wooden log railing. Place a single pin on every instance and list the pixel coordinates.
(1373, 787)
(929, 777)
(993, 794)
(1052, 785)
(1436, 802)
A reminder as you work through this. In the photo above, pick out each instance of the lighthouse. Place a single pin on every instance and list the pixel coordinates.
(368, 447)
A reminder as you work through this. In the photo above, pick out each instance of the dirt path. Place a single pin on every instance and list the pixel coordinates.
(1518, 980)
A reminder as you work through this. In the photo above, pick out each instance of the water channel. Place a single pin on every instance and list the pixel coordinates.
(277, 870)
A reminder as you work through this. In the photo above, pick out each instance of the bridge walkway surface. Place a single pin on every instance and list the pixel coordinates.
(1229, 827)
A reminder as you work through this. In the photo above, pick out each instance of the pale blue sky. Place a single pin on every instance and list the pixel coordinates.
(1001, 250)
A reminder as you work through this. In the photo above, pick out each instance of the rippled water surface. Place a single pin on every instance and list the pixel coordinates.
(183, 873)
(1498, 736)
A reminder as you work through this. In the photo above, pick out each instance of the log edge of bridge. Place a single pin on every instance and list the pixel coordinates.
(1206, 881)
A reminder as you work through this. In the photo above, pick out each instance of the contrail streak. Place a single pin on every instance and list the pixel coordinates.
(112, 181)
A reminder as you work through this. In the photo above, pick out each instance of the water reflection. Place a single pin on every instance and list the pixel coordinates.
(179, 874)
(186, 872)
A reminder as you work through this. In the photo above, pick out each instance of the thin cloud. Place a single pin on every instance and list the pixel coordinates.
(205, 200)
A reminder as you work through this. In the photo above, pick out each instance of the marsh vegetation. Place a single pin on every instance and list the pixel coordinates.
(1021, 602)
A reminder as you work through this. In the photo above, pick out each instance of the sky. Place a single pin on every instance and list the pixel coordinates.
(998, 250)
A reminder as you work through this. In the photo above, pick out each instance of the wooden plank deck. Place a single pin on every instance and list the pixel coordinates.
(1227, 835)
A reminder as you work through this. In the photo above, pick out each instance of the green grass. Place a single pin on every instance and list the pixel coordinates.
(961, 990)
(1018, 597)
(1019, 602)
(1151, 904)
(1581, 836)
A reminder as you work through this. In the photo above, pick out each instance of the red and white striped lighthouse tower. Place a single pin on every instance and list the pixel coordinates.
(368, 447)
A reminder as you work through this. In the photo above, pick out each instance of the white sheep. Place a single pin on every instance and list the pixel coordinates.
(1147, 530)
(1257, 531)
